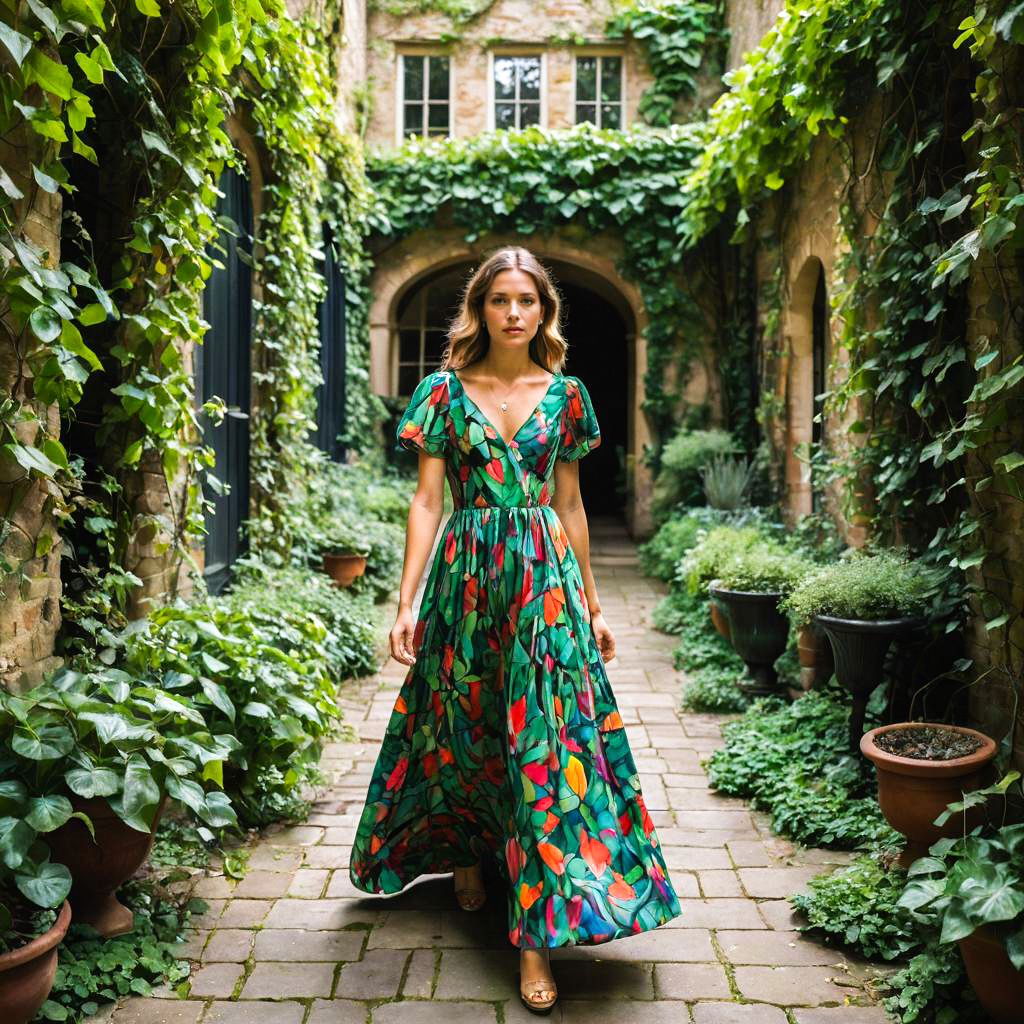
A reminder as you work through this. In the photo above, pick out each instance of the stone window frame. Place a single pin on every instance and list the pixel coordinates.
(519, 50)
(421, 51)
(600, 51)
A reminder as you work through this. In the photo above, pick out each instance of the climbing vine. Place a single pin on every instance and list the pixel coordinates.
(679, 39)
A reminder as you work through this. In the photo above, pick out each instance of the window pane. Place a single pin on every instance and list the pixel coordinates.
(408, 346)
(438, 117)
(504, 78)
(413, 72)
(611, 78)
(586, 78)
(439, 78)
(529, 78)
(611, 115)
(505, 115)
(434, 344)
(529, 113)
(413, 118)
(586, 112)
(408, 378)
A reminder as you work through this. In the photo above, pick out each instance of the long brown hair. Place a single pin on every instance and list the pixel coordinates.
(468, 340)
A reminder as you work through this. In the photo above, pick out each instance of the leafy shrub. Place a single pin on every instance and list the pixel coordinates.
(764, 568)
(933, 989)
(679, 479)
(857, 907)
(793, 761)
(725, 481)
(659, 557)
(715, 552)
(881, 586)
(92, 971)
(275, 596)
(260, 674)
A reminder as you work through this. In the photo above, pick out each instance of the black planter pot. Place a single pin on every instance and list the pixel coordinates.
(859, 647)
(759, 633)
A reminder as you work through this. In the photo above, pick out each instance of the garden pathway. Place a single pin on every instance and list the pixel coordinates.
(294, 943)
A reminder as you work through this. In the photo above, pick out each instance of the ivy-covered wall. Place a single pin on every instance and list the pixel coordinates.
(119, 119)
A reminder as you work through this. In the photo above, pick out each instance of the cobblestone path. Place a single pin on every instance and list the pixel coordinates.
(294, 943)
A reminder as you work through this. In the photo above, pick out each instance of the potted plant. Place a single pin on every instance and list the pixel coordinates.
(817, 664)
(104, 751)
(922, 767)
(862, 604)
(750, 588)
(970, 890)
(342, 549)
(30, 887)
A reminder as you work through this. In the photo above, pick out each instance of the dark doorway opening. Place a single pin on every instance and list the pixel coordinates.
(818, 355)
(597, 355)
(223, 369)
(330, 395)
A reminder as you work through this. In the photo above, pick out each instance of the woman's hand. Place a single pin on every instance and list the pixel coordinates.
(604, 637)
(402, 637)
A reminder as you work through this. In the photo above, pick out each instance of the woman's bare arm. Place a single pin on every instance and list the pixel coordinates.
(425, 511)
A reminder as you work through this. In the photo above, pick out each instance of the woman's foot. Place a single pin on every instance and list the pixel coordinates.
(536, 985)
(469, 888)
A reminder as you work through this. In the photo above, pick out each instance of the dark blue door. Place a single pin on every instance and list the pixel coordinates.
(330, 396)
(223, 369)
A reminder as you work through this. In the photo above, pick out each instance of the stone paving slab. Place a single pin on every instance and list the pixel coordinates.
(294, 943)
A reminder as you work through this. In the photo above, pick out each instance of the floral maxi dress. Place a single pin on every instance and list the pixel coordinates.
(505, 739)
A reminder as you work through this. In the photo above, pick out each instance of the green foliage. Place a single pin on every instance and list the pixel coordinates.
(763, 569)
(933, 989)
(794, 762)
(92, 971)
(678, 37)
(885, 585)
(459, 12)
(716, 551)
(679, 478)
(726, 481)
(260, 673)
(857, 907)
(659, 557)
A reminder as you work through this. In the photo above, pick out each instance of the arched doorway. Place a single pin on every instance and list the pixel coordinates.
(595, 324)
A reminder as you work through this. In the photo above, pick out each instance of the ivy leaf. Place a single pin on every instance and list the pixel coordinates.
(44, 181)
(90, 68)
(148, 7)
(15, 839)
(18, 46)
(30, 458)
(89, 783)
(45, 813)
(141, 794)
(218, 812)
(92, 314)
(47, 742)
(7, 185)
(1008, 463)
(53, 77)
(45, 323)
(71, 339)
(46, 884)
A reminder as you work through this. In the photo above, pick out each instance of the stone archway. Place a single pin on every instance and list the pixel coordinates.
(585, 270)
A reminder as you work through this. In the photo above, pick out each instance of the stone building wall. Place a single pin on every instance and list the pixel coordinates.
(519, 26)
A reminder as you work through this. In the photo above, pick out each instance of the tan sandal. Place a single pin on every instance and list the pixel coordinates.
(534, 988)
(469, 897)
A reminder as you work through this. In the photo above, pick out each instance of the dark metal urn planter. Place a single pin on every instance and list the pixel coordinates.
(99, 867)
(913, 791)
(759, 633)
(997, 983)
(719, 618)
(343, 568)
(859, 647)
(27, 973)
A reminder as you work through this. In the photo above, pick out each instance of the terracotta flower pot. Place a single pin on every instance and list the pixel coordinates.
(27, 973)
(913, 792)
(859, 647)
(99, 868)
(344, 568)
(759, 633)
(997, 983)
(817, 663)
(719, 619)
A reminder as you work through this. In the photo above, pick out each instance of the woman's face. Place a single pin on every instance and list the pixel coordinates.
(512, 309)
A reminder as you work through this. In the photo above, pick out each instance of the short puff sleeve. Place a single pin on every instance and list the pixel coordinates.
(424, 424)
(580, 432)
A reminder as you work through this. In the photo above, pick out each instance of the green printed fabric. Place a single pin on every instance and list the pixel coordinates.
(505, 740)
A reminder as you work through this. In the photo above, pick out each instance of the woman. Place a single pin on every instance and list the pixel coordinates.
(505, 742)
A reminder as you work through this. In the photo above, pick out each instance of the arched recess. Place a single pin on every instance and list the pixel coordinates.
(611, 363)
(809, 348)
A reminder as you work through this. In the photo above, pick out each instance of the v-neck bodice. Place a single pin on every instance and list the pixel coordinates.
(485, 471)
